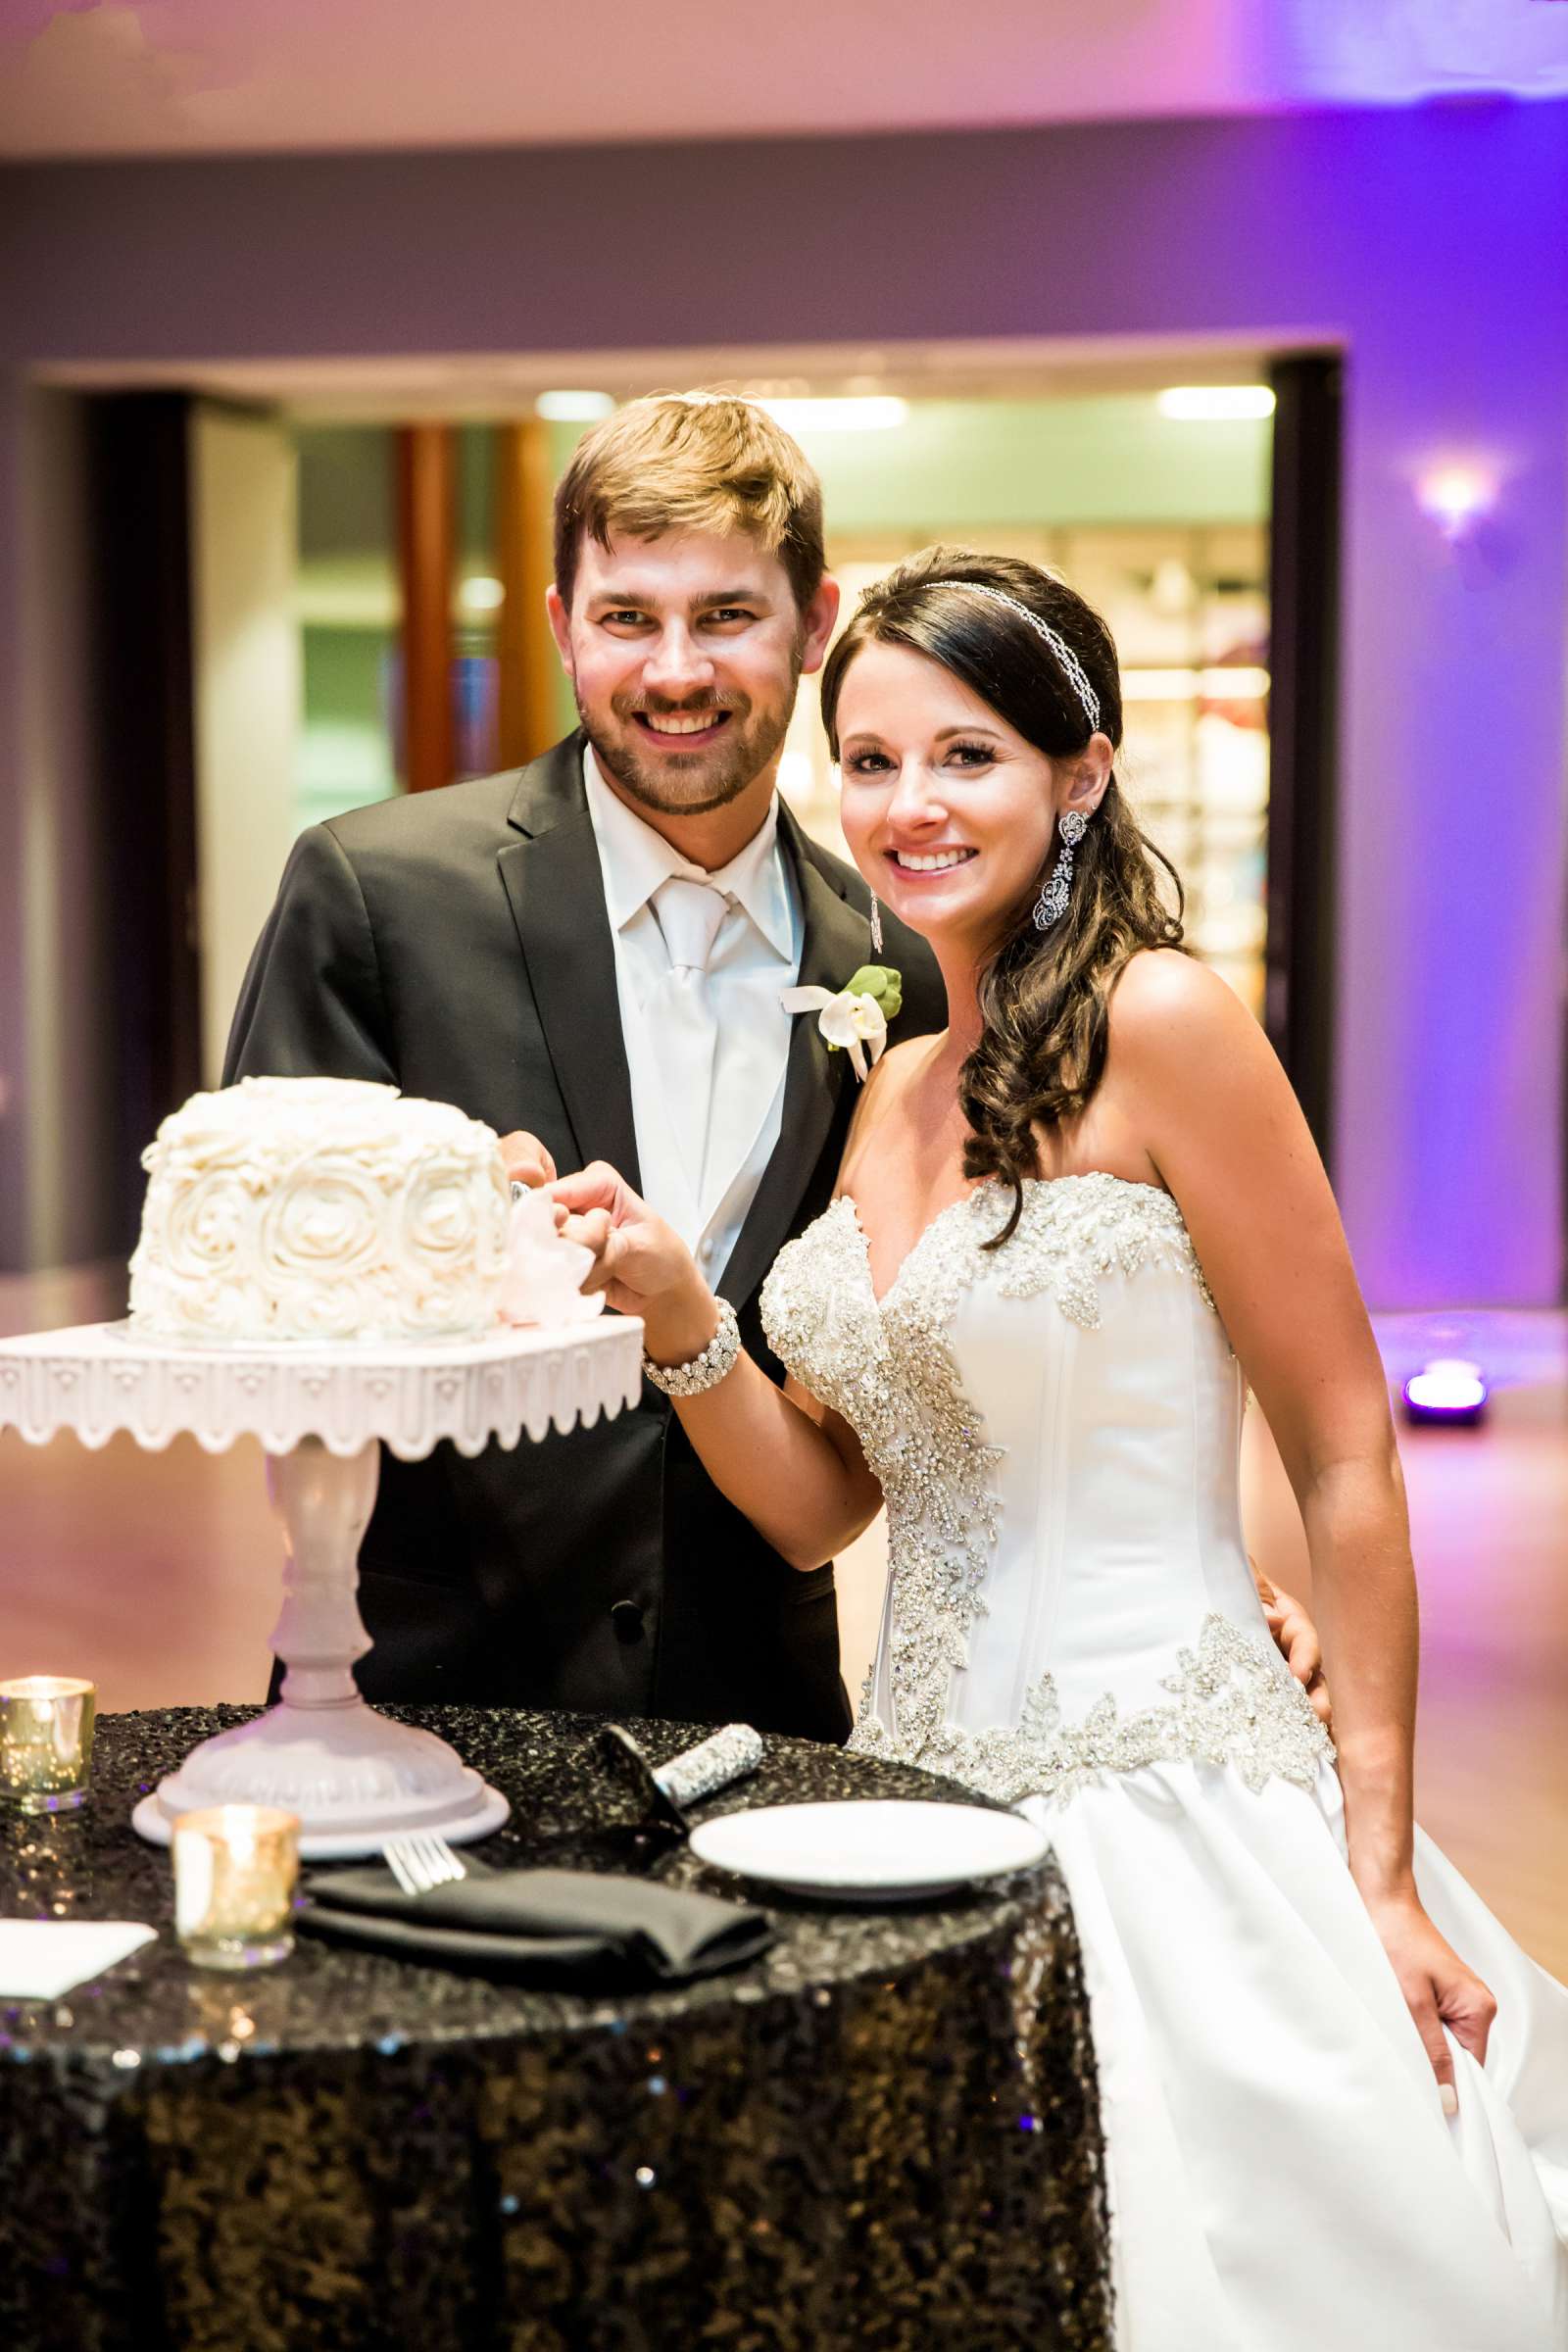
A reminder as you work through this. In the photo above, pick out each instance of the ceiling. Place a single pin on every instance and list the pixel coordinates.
(101, 77)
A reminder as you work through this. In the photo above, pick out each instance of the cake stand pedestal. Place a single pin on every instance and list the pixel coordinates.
(354, 1777)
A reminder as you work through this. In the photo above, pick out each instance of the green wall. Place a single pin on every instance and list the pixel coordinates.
(344, 756)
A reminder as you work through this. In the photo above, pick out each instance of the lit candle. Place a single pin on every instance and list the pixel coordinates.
(46, 1725)
(235, 1868)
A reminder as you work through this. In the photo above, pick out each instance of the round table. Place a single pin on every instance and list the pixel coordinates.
(884, 2134)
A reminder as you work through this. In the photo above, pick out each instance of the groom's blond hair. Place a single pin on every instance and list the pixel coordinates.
(692, 461)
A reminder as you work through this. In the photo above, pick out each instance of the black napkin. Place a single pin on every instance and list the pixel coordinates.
(559, 1925)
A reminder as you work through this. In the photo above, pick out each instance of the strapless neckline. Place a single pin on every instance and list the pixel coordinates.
(1096, 1181)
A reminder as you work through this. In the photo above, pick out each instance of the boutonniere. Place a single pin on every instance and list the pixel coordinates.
(856, 1018)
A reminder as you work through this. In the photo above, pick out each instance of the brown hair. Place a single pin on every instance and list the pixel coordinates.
(1045, 997)
(692, 461)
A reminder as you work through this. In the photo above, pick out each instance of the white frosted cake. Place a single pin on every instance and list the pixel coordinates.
(319, 1208)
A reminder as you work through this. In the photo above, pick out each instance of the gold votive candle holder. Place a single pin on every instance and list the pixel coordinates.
(235, 1871)
(46, 1724)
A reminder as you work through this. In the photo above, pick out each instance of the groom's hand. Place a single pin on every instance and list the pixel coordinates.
(526, 1160)
(1296, 1637)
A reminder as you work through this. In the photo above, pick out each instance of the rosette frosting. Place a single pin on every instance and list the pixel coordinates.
(319, 1208)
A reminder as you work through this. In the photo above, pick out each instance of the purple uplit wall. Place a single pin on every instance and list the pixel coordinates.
(1346, 53)
(1427, 241)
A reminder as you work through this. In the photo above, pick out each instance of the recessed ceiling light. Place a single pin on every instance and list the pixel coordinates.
(574, 408)
(863, 414)
(1214, 403)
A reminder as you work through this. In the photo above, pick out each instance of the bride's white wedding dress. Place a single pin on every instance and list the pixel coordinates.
(1071, 1625)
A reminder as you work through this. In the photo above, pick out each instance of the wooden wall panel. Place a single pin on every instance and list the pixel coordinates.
(426, 544)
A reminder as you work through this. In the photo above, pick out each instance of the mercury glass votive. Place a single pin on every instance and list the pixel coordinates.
(235, 1868)
(46, 1725)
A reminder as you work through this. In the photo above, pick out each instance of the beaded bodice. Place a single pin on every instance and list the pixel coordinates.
(1056, 1426)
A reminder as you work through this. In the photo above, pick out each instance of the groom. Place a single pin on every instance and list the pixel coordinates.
(589, 955)
(593, 952)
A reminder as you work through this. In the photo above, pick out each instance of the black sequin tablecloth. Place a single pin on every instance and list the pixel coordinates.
(883, 2134)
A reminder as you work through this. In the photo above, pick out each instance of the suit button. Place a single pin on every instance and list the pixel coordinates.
(626, 1617)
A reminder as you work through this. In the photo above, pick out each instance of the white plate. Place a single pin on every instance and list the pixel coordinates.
(877, 1849)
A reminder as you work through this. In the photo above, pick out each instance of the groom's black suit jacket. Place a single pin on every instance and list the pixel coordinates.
(456, 944)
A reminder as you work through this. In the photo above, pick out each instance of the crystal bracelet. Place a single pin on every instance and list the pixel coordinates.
(704, 1371)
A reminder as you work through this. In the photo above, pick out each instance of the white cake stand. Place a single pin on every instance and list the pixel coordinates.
(352, 1776)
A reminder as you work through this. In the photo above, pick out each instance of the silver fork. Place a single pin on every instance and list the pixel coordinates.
(419, 1862)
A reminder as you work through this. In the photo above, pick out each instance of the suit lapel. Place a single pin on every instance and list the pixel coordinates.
(834, 944)
(556, 890)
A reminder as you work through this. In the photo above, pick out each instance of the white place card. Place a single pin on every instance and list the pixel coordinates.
(41, 1959)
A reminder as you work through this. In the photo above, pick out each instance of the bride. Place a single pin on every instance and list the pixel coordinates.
(1068, 1233)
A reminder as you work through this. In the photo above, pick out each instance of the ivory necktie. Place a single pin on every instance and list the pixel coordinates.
(683, 1027)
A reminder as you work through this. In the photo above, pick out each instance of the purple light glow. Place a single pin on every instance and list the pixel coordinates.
(1456, 496)
(1349, 54)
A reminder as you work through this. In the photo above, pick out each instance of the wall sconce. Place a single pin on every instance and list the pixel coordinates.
(1457, 497)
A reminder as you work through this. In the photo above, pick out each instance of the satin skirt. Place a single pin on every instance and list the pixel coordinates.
(1283, 2177)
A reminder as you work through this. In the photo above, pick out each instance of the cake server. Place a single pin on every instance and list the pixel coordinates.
(668, 1790)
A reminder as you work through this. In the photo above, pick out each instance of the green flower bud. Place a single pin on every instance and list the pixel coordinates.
(881, 980)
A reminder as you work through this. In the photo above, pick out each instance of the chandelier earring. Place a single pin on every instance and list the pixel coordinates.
(877, 925)
(1052, 903)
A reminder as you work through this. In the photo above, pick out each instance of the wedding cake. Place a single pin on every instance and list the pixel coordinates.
(319, 1208)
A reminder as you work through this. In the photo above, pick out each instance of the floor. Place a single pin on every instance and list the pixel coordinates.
(157, 1575)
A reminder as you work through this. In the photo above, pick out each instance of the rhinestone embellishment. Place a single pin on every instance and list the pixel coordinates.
(1234, 1702)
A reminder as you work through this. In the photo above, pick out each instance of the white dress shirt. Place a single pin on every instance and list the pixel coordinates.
(755, 955)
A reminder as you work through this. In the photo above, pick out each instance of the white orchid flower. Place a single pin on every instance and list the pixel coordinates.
(855, 1022)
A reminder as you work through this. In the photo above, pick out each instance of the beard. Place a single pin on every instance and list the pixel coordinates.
(690, 783)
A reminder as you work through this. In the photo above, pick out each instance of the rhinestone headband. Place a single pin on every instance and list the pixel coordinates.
(1052, 637)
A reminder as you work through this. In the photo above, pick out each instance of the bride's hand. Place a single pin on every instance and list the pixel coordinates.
(640, 1263)
(1438, 1989)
